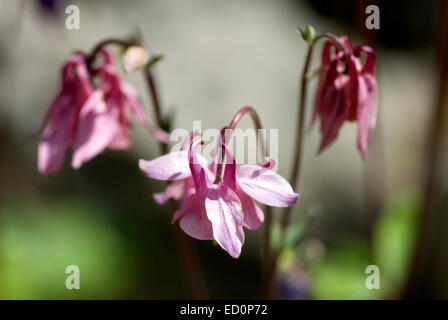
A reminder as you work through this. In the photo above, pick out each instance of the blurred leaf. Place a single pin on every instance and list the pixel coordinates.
(287, 260)
(341, 274)
(37, 244)
(153, 60)
(394, 240)
(276, 235)
(296, 232)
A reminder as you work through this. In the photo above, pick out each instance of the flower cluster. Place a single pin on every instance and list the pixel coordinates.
(91, 115)
(90, 120)
(346, 91)
(214, 207)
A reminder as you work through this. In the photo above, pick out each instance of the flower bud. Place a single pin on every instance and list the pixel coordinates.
(134, 58)
(308, 34)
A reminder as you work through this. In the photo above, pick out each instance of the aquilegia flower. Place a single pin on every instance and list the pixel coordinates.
(346, 91)
(87, 119)
(218, 209)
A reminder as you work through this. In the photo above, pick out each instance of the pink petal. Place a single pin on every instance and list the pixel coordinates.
(174, 190)
(346, 42)
(160, 135)
(335, 110)
(369, 64)
(171, 166)
(198, 171)
(134, 103)
(60, 119)
(367, 110)
(121, 140)
(229, 176)
(253, 215)
(266, 186)
(96, 128)
(225, 213)
(194, 221)
(57, 136)
(196, 225)
(327, 76)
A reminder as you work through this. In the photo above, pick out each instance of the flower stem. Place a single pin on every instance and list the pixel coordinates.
(155, 104)
(433, 170)
(187, 250)
(295, 174)
(233, 123)
(263, 150)
(110, 41)
(297, 160)
(296, 166)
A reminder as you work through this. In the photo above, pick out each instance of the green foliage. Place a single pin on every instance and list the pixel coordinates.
(37, 244)
(341, 274)
(297, 231)
(153, 60)
(394, 240)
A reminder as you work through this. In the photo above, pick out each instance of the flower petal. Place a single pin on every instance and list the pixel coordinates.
(266, 186)
(225, 213)
(97, 126)
(369, 64)
(57, 136)
(335, 110)
(194, 220)
(60, 119)
(229, 177)
(253, 215)
(198, 170)
(131, 98)
(366, 111)
(174, 190)
(172, 166)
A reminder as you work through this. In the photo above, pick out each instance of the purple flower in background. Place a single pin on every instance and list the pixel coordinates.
(346, 91)
(218, 210)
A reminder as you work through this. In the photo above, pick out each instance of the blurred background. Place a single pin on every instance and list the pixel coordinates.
(390, 210)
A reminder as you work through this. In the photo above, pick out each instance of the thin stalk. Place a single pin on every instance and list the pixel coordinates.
(187, 250)
(268, 209)
(111, 41)
(297, 160)
(263, 149)
(233, 123)
(433, 158)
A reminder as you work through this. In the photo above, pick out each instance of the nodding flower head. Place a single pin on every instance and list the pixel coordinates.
(218, 209)
(88, 119)
(347, 91)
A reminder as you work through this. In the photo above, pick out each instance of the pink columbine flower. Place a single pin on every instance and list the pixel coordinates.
(347, 91)
(87, 119)
(219, 210)
(106, 125)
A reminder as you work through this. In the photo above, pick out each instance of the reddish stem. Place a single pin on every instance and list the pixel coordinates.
(187, 250)
(295, 170)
